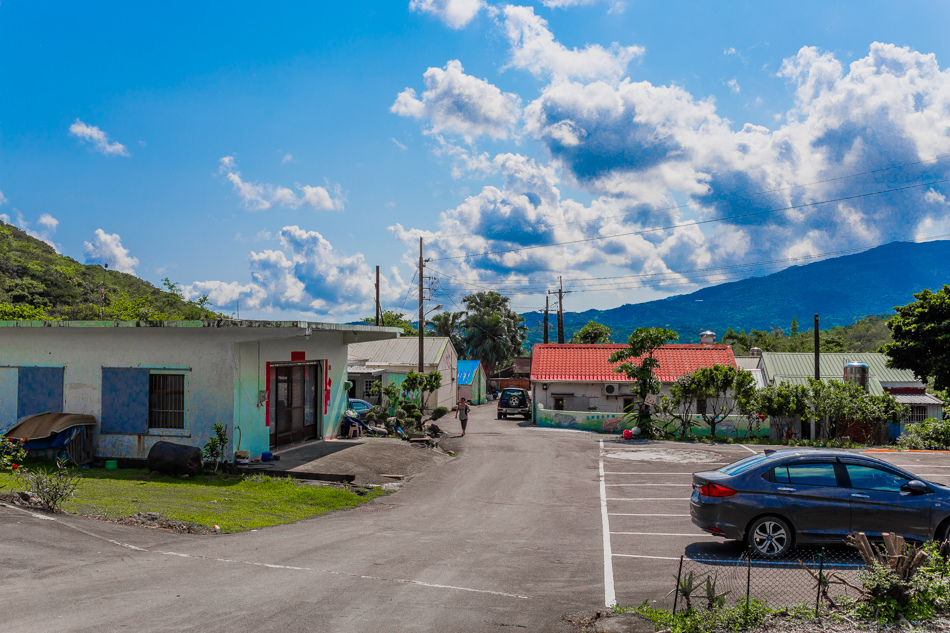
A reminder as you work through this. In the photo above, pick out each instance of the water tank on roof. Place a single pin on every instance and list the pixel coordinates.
(857, 372)
(755, 351)
(707, 338)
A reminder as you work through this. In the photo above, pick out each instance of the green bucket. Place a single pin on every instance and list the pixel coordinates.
(112, 464)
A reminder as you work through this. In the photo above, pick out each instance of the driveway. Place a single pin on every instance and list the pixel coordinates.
(505, 537)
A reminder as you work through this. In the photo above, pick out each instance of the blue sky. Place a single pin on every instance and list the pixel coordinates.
(271, 155)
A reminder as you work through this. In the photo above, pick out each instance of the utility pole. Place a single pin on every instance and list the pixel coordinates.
(422, 325)
(814, 424)
(560, 311)
(546, 298)
(102, 290)
(377, 297)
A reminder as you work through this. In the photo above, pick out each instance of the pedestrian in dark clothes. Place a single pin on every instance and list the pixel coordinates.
(462, 414)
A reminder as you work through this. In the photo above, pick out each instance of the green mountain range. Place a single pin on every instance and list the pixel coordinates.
(841, 290)
(36, 282)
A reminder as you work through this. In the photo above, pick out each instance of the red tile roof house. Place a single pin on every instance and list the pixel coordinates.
(575, 386)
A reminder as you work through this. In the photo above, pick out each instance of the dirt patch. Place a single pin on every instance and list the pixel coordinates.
(155, 521)
(667, 455)
(22, 499)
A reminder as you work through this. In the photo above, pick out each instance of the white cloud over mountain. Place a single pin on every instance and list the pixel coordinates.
(106, 248)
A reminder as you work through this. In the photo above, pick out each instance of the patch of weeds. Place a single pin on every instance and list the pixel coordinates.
(51, 486)
(734, 618)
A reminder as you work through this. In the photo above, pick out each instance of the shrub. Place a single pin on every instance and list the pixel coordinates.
(400, 414)
(370, 416)
(51, 486)
(214, 448)
(439, 412)
(931, 434)
(11, 453)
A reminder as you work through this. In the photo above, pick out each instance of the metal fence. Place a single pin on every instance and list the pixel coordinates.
(819, 577)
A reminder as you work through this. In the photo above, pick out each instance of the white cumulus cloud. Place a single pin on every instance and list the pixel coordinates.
(456, 103)
(533, 48)
(258, 197)
(106, 248)
(99, 139)
(454, 13)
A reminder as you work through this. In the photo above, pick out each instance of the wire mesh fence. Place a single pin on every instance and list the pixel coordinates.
(823, 577)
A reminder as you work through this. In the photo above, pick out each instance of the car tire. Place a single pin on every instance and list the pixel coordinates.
(497, 416)
(770, 537)
(943, 531)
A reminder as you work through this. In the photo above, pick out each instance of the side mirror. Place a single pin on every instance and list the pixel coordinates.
(916, 487)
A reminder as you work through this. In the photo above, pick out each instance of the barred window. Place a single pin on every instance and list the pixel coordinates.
(917, 413)
(166, 401)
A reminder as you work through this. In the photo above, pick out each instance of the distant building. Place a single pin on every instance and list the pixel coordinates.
(472, 382)
(390, 360)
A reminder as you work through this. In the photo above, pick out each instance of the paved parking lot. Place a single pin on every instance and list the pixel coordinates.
(644, 496)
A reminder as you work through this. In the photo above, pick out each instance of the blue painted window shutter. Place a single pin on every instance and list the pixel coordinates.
(124, 400)
(39, 389)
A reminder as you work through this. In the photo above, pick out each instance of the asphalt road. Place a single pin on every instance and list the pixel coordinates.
(508, 536)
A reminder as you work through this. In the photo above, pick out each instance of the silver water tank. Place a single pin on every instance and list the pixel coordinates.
(755, 351)
(707, 338)
(857, 372)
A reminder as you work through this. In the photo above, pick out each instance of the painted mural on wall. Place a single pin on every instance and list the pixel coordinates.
(616, 423)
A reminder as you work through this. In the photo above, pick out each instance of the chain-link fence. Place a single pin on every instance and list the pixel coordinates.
(822, 577)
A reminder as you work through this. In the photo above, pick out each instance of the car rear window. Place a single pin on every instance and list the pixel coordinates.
(806, 474)
(743, 465)
(507, 393)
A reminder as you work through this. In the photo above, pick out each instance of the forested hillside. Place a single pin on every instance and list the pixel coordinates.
(36, 282)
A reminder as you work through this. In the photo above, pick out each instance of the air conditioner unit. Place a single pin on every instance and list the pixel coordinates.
(612, 389)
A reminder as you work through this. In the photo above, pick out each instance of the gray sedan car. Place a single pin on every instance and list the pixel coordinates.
(780, 499)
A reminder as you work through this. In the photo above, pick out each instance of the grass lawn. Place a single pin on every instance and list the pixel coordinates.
(232, 503)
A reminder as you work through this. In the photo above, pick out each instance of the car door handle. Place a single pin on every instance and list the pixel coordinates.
(787, 489)
(860, 496)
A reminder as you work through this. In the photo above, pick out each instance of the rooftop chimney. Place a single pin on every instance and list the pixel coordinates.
(707, 338)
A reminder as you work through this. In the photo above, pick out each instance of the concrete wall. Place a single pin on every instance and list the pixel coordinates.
(615, 423)
(580, 396)
(224, 375)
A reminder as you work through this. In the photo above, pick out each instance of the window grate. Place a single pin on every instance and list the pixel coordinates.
(917, 414)
(166, 401)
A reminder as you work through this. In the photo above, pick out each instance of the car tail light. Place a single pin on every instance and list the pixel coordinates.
(715, 490)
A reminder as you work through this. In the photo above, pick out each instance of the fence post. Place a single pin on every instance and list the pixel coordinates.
(821, 567)
(748, 585)
(676, 590)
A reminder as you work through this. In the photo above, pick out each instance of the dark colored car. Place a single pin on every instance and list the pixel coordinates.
(780, 499)
(360, 406)
(513, 401)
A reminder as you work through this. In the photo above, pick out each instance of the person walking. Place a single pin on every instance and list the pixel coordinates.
(462, 414)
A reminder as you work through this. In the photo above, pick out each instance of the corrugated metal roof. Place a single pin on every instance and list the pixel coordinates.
(748, 362)
(797, 368)
(401, 351)
(467, 371)
(589, 363)
(918, 398)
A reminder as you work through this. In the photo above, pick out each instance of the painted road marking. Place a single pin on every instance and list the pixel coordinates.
(664, 534)
(272, 566)
(653, 473)
(650, 499)
(608, 485)
(627, 514)
(610, 596)
(749, 449)
(651, 557)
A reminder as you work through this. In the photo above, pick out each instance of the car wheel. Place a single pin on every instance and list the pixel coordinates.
(943, 531)
(770, 537)
(498, 416)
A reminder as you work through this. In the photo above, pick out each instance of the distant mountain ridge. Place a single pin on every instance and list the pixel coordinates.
(841, 290)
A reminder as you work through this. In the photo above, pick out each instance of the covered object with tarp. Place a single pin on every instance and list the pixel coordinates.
(57, 435)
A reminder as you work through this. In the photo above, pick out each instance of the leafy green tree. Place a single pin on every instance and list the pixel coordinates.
(22, 313)
(678, 409)
(921, 331)
(448, 324)
(593, 333)
(639, 363)
(492, 332)
(391, 318)
(721, 388)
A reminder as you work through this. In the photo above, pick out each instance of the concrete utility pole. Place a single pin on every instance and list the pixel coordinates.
(422, 324)
(546, 299)
(377, 297)
(817, 351)
(560, 311)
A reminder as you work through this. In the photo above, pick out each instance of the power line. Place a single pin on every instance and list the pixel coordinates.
(722, 198)
(696, 222)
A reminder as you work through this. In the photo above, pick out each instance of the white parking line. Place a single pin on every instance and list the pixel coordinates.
(649, 499)
(651, 557)
(610, 596)
(749, 449)
(627, 514)
(652, 474)
(664, 534)
(609, 485)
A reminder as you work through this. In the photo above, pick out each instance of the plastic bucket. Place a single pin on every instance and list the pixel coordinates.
(112, 464)
(267, 457)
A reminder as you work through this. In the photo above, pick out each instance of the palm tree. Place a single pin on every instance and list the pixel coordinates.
(449, 324)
